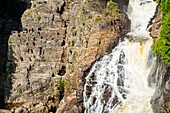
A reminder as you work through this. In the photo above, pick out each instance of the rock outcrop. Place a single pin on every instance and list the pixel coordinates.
(160, 78)
(160, 75)
(155, 29)
(10, 14)
(49, 58)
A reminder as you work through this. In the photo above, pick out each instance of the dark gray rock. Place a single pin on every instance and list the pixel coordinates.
(160, 79)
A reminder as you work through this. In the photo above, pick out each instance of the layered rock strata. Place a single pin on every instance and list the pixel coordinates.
(59, 42)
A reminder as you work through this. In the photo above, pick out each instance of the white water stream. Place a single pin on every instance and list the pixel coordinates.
(118, 82)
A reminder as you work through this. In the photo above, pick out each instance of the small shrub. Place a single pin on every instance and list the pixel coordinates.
(9, 41)
(10, 67)
(90, 16)
(38, 18)
(111, 3)
(166, 108)
(73, 42)
(90, 0)
(57, 93)
(82, 15)
(9, 77)
(60, 93)
(62, 85)
(99, 18)
(112, 8)
(19, 90)
(71, 68)
(83, 24)
(75, 54)
(34, 5)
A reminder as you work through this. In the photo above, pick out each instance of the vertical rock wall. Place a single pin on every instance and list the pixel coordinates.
(160, 75)
(49, 58)
(10, 14)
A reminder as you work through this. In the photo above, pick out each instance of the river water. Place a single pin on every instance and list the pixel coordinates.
(117, 83)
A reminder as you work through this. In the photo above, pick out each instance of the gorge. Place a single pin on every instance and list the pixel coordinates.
(83, 56)
(118, 82)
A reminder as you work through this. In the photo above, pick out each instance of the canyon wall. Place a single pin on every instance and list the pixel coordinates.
(54, 49)
(159, 78)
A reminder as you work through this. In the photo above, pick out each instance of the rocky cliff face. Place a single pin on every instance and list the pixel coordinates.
(160, 75)
(160, 100)
(10, 14)
(155, 29)
(57, 45)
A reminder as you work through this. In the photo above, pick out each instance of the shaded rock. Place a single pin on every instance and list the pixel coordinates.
(4, 111)
(123, 4)
(159, 78)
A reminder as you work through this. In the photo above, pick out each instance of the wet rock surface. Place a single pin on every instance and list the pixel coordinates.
(57, 45)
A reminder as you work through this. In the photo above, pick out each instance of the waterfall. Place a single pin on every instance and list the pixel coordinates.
(117, 83)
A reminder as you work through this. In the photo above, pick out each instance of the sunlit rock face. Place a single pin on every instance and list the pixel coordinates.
(155, 29)
(56, 44)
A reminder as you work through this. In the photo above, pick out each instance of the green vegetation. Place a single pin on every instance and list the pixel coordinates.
(84, 24)
(90, 16)
(10, 67)
(34, 5)
(71, 68)
(82, 15)
(75, 55)
(161, 46)
(98, 18)
(73, 42)
(9, 41)
(90, 0)
(166, 108)
(19, 90)
(9, 77)
(112, 8)
(111, 3)
(38, 18)
(164, 5)
(60, 93)
(62, 85)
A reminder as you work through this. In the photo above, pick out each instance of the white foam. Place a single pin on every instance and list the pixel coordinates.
(118, 82)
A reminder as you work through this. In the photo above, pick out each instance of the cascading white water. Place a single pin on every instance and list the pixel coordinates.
(118, 82)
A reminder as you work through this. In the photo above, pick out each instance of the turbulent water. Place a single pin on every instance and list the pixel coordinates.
(118, 82)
